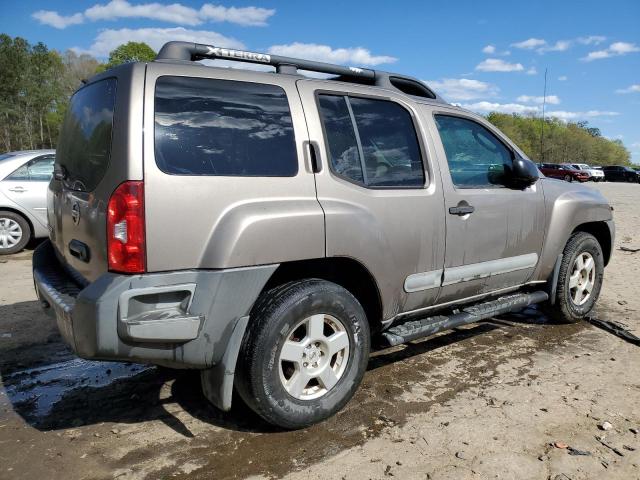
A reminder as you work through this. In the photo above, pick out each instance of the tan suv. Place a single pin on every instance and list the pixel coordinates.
(263, 227)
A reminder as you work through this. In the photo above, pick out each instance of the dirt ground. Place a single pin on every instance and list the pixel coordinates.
(485, 401)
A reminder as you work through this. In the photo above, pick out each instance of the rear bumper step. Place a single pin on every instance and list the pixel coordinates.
(424, 327)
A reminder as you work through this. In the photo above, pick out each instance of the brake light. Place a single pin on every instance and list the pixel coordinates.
(126, 247)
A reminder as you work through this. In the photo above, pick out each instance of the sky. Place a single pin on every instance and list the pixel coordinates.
(486, 56)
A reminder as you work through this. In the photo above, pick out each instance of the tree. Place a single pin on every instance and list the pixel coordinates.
(129, 52)
(571, 142)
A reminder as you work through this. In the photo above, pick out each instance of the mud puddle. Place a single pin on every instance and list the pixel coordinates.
(36, 391)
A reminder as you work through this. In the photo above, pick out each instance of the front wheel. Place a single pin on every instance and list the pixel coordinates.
(579, 279)
(304, 354)
(568, 178)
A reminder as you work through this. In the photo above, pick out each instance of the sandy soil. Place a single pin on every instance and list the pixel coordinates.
(485, 401)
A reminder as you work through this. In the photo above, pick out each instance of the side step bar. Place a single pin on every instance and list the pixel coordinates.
(424, 327)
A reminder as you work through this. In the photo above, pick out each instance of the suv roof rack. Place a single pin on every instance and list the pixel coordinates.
(188, 51)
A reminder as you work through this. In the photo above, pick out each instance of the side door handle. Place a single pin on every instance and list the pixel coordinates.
(18, 189)
(461, 210)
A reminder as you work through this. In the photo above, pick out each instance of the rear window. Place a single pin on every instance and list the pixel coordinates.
(84, 148)
(223, 127)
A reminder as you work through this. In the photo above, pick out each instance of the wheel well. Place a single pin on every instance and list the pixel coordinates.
(600, 230)
(346, 272)
(18, 212)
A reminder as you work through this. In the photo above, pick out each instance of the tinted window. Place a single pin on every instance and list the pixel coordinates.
(389, 143)
(84, 148)
(37, 170)
(341, 138)
(223, 127)
(372, 142)
(475, 156)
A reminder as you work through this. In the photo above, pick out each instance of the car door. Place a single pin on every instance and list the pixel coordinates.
(494, 233)
(378, 186)
(27, 186)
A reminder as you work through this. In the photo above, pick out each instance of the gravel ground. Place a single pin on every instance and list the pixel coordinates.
(502, 399)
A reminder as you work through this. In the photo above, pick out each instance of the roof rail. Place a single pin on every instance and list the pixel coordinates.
(198, 51)
(188, 51)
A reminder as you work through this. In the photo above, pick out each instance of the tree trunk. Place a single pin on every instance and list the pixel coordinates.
(49, 134)
(41, 131)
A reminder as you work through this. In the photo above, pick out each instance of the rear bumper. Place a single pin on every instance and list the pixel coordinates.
(179, 319)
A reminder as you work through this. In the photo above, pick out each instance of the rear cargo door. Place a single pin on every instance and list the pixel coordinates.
(99, 148)
(227, 181)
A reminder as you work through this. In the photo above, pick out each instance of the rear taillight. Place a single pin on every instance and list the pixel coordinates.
(125, 229)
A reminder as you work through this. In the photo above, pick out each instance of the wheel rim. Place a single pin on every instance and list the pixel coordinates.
(567, 178)
(314, 357)
(583, 278)
(10, 233)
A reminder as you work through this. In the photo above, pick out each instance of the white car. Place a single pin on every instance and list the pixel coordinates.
(595, 174)
(24, 178)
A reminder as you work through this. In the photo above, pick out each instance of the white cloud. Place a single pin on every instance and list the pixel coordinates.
(498, 65)
(324, 53)
(630, 89)
(107, 40)
(248, 16)
(614, 50)
(54, 19)
(489, 49)
(531, 71)
(563, 78)
(520, 109)
(551, 99)
(559, 46)
(591, 40)
(463, 88)
(488, 107)
(174, 13)
(530, 43)
(564, 115)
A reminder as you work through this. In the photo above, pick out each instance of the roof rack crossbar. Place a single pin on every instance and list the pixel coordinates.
(197, 51)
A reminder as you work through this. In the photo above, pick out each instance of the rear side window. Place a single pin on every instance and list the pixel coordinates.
(223, 127)
(371, 142)
(37, 170)
(84, 148)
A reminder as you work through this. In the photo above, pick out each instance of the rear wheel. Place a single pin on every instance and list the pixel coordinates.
(579, 279)
(14, 232)
(304, 353)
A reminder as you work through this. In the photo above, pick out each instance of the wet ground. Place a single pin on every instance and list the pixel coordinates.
(483, 401)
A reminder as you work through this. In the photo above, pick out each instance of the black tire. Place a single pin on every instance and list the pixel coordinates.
(565, 309)
(568, 178)
(6, 215)
(273, 319)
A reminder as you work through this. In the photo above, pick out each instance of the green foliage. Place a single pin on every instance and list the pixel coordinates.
(129, 52)
(572, 142)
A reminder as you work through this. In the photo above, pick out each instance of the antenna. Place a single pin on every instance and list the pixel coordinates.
(544, 104)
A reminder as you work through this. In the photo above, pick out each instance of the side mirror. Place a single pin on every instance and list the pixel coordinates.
(524, 173)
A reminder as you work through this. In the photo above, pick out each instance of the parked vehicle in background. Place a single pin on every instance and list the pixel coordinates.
(595, 174)
(24, 177)
(262, 227)
(563, 172)
(620, 173)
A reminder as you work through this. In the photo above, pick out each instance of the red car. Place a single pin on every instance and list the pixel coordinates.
(563, 172)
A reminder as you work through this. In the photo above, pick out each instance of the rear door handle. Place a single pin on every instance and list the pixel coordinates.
(18, 189)
(461, 210)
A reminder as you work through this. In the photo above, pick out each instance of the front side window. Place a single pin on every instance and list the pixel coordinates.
(475, 156)
(223, 127)
(371, 142)
(37, 170)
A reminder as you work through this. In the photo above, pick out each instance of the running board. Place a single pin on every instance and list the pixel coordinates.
(412, 330)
